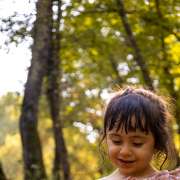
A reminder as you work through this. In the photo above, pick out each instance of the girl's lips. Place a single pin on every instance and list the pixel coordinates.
(125, 163)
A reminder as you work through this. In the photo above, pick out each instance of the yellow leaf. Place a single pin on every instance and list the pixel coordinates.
(88, 21)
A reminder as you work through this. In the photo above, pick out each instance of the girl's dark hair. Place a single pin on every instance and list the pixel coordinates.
(137, 108)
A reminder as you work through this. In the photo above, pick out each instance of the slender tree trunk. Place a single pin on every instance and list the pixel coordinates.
(2, 174)
(32, 152)
(54, 76)
(138, 55)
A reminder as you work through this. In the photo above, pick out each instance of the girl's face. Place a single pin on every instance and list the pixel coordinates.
(131, 153)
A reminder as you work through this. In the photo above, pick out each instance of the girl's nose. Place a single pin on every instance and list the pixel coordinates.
(125, 150)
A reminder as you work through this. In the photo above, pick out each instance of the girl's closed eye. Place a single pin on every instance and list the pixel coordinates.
(116, 141)
(138, 144)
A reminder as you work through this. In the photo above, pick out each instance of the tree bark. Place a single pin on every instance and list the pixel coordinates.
(2, 174)
(32, 152)
(138, 55)
(61, 165)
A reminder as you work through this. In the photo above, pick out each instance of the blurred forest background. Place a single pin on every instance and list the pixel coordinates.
(81, 51)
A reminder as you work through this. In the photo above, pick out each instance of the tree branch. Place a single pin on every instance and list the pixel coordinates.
(138, 55)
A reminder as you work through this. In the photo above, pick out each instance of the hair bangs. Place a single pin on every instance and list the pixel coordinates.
(128, 115)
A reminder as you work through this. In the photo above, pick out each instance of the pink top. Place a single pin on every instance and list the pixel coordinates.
(162, 175)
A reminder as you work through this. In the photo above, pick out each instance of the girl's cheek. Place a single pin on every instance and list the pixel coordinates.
(114, 149)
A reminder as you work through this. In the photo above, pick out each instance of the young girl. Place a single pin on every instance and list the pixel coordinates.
(136, 132)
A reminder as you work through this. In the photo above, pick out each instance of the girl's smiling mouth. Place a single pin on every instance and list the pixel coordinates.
(126, 162)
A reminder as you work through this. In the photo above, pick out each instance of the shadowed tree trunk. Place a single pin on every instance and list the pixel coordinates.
(61, 165)
(2, 174)
(138, 55)
(32, 153)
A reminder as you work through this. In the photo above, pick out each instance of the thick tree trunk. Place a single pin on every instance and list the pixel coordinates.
(2, 174)
(32, 153)
(138, 55)
(61, 165)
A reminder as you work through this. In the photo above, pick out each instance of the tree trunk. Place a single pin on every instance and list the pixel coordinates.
(54, 97)
(138, 55)
(32, 152)
(2, 174)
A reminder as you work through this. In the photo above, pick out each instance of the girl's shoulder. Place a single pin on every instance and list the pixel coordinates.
(174, 174)
(112, 176)
(176, 171)
(161, 175)
(106, 178)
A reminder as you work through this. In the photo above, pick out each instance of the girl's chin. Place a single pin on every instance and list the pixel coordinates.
(127, 172)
